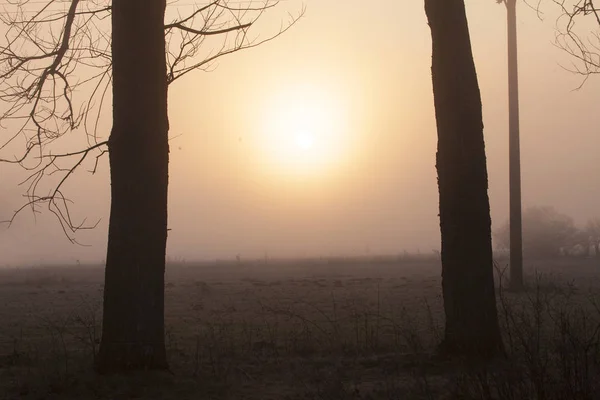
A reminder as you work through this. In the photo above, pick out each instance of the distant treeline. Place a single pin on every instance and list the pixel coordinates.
(548, 233)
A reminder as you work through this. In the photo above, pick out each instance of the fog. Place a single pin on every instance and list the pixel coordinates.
(374, 189)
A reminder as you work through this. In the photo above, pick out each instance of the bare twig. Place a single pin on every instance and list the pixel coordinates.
(56, 71)
(578, 34)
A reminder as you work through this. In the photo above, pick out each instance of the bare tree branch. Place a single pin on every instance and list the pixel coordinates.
(39, 88)
(207, 32)
(56, 73)
(578, 34)
(218, 16)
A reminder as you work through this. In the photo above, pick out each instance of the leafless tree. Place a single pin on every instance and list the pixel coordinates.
(471, 326)
(59, 64)
(56, 72)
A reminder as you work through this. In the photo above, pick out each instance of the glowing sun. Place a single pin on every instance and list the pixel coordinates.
(304, 140)
(304, 130)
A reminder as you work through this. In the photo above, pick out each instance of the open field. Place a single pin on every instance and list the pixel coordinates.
(312, 329)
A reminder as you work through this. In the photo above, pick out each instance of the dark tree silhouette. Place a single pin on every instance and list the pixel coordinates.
(133, 324)
(61, 51)
(472, 327)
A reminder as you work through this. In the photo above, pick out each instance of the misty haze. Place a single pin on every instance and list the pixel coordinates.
(319, 182)
(368, 180)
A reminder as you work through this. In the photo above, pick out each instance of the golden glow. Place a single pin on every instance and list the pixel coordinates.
(303, 130)
(304, 139)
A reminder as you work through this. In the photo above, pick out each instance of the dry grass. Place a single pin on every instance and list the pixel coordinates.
(301, 330)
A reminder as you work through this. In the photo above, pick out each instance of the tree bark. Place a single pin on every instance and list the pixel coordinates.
(133, 321)
(471, 327)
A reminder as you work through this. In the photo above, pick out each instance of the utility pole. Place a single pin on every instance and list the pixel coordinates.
(514, 151)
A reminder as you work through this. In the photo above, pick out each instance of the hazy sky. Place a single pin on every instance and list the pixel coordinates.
(323, 141)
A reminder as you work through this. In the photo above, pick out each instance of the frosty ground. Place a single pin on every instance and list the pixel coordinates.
(339, 328)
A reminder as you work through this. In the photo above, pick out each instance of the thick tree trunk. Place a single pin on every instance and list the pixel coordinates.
(133, 324)
(467, 266)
